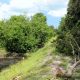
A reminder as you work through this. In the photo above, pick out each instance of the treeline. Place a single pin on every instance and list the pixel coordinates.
(68, 41)
(20, 34)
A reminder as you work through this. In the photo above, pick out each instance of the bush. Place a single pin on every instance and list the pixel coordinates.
(23, 35)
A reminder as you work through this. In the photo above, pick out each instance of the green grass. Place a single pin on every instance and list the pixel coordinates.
(33, 67)
(24, 66)
(2, 52)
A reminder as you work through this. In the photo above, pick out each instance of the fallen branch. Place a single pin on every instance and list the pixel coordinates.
(67, 73)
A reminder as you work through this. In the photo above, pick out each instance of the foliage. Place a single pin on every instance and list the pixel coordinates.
(22, 34)
(69, 30)
(40, 28)
(2, 36)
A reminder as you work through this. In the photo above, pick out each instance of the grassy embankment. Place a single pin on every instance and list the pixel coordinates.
(24, 66)
(37, 66)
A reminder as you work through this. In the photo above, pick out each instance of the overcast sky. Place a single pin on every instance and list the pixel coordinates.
(53, 9)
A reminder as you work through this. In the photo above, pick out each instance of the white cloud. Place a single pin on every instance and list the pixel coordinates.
(30, 6)
(21, 4)
(58, 13)
(61, 1)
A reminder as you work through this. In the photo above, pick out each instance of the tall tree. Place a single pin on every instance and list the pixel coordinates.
(73, 13)
(70, 29)
(72, 23)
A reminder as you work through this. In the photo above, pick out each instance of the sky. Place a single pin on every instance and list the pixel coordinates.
(53, 9)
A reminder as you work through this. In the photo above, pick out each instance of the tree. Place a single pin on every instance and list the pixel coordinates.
(69, 29)
(2, 34)
(72, 23)
(40, 28)
(15, 34)
(73, 13)
(22, 34)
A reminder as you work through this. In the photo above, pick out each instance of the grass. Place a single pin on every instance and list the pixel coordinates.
(2, 52)
(33, 67)
(24, 66)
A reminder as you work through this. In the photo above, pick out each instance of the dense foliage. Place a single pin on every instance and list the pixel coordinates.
(20, 34)
(69, 30)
